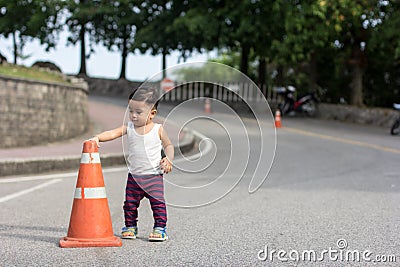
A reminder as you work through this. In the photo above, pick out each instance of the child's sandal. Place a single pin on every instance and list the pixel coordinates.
(129, 232)
(158, 234)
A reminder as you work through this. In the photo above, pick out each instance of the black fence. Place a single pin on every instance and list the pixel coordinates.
(226, 92)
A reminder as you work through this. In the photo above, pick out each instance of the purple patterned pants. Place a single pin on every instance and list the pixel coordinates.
(151, 187)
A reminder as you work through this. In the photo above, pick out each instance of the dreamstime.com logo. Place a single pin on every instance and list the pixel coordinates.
(340, 253)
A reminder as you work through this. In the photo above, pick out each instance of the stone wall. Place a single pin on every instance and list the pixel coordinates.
(374, 116)
(33, 112)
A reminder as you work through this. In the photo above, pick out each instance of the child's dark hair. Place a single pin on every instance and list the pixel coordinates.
(147, 94)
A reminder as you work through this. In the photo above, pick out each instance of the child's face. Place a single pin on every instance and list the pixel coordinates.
(141, 113)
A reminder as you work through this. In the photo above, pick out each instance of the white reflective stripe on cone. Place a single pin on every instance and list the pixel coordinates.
(90, 192)
(88, 158)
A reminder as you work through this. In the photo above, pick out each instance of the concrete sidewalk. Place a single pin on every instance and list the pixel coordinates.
(65, 155)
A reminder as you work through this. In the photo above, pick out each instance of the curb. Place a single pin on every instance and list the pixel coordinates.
(11, 167)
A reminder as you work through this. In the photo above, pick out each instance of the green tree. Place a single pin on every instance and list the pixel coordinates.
(25, 20)
(242, 31)
(212, 24)
(115, 26)
(207, 72)
(357, 20)
(339, 28)
(82, 13)
(383, 69)
(157, 33)
(307, 32)
(268, 28)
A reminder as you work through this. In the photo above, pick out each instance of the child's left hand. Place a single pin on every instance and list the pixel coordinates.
(166, 165)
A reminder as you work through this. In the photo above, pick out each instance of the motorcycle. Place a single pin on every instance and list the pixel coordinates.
(289, 104)
(396, 125)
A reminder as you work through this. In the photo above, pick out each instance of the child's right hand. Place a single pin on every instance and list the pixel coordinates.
(166, 165)
(96, 139)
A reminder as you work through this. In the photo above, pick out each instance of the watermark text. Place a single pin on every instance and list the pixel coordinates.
(335, 254)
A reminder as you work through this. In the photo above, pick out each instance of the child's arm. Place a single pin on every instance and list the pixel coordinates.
(166, 162)
(109, 135)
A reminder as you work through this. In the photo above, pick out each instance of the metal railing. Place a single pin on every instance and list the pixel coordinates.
(226, 92)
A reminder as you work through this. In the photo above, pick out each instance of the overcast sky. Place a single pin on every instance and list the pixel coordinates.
(101, 64)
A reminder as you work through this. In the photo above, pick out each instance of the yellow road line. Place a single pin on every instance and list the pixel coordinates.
(342, 140)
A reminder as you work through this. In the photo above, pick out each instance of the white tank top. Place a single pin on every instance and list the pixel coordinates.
(144, 151)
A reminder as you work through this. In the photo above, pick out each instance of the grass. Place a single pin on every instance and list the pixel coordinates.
(31, 73)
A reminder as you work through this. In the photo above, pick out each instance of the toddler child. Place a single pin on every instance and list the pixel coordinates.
(145, 139)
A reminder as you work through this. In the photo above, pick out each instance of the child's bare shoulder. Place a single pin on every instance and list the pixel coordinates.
(161, 130)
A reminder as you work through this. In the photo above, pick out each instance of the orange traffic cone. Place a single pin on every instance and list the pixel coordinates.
(90, 223)
(278, 119)
(207, 106)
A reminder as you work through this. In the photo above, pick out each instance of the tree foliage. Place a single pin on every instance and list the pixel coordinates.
(28, 19)
(115, 26)
(82, 14)
(158, 32)
(350, 47)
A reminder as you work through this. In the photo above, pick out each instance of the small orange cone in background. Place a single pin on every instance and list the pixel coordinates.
(278, 123)
(90, 223)
(207, 106)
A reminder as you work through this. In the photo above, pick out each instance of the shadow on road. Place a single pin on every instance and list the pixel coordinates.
(25, 232)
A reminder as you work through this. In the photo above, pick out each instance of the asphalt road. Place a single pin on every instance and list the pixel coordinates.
(332, 187)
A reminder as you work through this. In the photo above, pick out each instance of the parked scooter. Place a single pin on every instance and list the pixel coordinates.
(289, 104)
(396, 125)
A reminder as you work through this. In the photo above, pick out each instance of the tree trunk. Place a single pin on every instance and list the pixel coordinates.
(15, 48)
(164, 63)
(124, 56)
(244, 59)
(313, 74)
(262, 72)
(357, 86)
(280, 79)
(82, 70)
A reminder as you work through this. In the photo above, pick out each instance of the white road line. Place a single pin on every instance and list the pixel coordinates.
(38, 177)
(26, 191)
(207, 148)
(53, 176)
